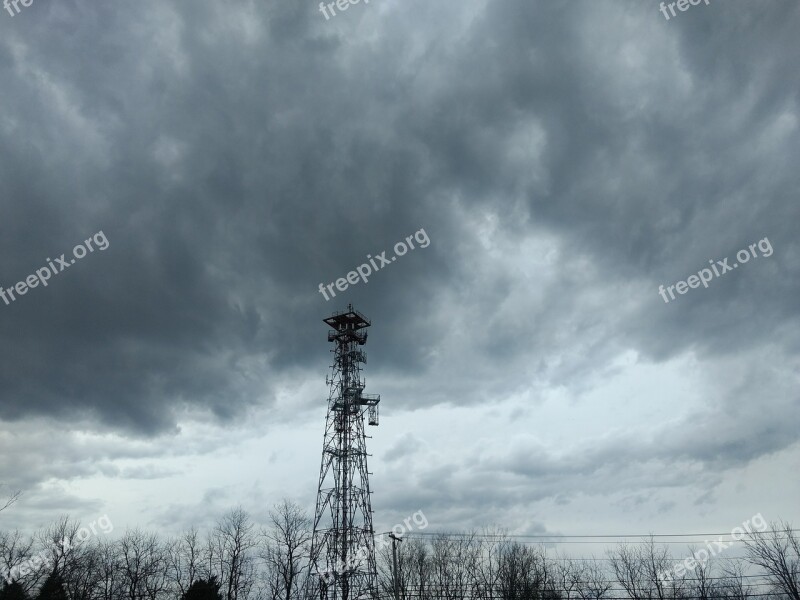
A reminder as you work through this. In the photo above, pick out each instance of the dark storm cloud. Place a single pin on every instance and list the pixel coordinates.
(237, 156)
(224, 182)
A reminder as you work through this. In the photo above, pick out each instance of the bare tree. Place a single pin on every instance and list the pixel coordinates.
(12, 498)
(568, 578)
(383, 560)
(60, 541)
(442, 567)
(110, 582)
(143, 565)
(230, 548)
(415, 572)
(643, 571)
(15, 551)
(702, 586)
(453, 562)
(733, 586)
(86, 572)
(524, 573)
(286, 548)
(581, 579)
(777, 551)
(76, 561)
(594, 583)
(487, 571)
(184, 561)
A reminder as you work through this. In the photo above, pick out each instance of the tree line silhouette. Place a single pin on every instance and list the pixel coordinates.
(240, 560)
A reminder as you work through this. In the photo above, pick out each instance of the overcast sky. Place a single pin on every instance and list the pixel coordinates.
(565, 159)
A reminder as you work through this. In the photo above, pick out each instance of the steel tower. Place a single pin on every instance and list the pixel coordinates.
(343, 546)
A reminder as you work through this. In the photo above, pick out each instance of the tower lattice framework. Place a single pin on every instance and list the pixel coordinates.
(343, 546)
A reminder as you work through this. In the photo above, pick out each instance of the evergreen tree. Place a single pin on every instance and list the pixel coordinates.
(53, 588)
(202, 590)
(13, 591)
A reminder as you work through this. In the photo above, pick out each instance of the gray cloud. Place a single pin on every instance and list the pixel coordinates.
(565, 160)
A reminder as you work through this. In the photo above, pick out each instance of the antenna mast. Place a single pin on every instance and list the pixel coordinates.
(343, 545)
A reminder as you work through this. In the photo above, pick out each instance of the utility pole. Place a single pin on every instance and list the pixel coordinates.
(395, 576)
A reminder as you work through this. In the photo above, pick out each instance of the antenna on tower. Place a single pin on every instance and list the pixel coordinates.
(343, 544)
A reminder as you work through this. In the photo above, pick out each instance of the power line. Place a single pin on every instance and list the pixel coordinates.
(605, 583)
(499, 597)
(564, 536)
(556, 558)
(481, 592)
(720, 578)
